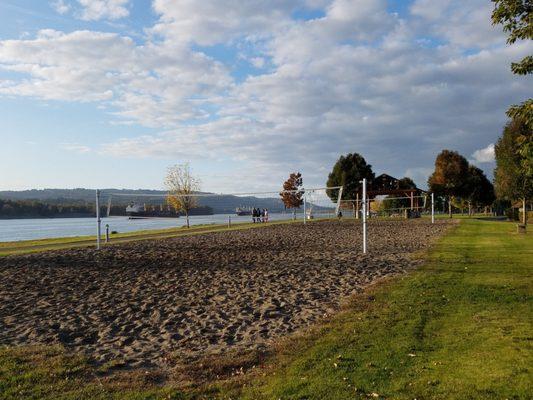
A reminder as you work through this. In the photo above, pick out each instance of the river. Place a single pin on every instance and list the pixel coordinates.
(45, 228)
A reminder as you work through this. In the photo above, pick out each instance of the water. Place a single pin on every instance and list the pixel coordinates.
(45, 228)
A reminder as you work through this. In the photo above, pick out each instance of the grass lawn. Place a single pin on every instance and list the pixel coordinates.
(459, 327)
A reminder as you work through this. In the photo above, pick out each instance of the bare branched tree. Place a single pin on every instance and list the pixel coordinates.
(181, 187)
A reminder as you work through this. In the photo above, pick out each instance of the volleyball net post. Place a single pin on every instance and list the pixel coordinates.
(364, 214)
(432, 208)
(305, 207)
(98, 220)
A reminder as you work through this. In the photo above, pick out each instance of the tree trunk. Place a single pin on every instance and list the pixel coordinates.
(469, 209)
(450, 207)
(524, 216)
(187, 217)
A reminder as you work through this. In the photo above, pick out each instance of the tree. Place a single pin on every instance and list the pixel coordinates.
(292, 195)
(516, 16)
(348, 172)
(406, 183)
(181, 187)
(479, 192)
(450, 176)
(513, 178)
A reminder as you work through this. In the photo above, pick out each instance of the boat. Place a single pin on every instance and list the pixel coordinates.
(243, 211)
(134, 210)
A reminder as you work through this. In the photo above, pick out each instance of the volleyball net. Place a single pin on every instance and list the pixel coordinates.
(123, 211)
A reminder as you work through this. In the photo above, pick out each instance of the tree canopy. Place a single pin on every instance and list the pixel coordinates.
(182, 185)
(479, 191)
(449, 177)
(516, 16)
(513, 176)
(348, 172)
(406, 183)
(292, 195)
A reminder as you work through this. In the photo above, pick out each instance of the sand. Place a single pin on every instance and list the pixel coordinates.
(143, 302)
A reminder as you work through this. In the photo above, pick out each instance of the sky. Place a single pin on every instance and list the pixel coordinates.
(110, 93)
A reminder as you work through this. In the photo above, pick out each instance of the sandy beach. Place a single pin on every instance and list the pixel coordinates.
(193, 296)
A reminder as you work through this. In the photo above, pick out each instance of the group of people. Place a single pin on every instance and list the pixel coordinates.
(259, 215)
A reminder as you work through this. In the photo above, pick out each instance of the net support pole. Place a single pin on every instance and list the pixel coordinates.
(357, 206)
(364, 215)
(109, 207)
(98, 220)
(305, 208)
(432, 208)
(338, 206)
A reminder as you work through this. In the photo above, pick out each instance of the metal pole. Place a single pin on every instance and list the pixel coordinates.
(364, 215)
(357, 205)
(98, 220)
(107, 233)
(229, 221)
(305, 210)
(432, 208)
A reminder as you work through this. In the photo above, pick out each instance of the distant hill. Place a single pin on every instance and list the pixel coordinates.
(79, 194)
(219, 203)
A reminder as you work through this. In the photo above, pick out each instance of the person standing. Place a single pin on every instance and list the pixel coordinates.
(266, 214)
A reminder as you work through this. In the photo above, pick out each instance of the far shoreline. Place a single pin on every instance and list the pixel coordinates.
(4, 217)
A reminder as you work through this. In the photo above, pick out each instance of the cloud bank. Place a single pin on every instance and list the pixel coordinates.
(350, 76)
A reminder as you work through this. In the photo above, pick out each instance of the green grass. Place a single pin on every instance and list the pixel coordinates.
(459, 327)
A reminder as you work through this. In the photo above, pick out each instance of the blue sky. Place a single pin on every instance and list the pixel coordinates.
(109, 93)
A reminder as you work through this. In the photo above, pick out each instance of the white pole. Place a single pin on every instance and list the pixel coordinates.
(108, 207)
(98, 221)
(432, 208)
(364, 215)
(357, 206)
(339, 199)
(305, 205)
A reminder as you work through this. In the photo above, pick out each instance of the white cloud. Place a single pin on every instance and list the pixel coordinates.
(208, 22)
(60, 6)
(357, 79)
(258, 62)
(484, 155)
(461, 23)
(103, 9)
(153, 84)
(93, 10)
(75, 148)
